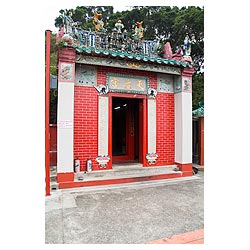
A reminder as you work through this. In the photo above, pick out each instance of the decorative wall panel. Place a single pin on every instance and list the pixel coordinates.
(165, 83)
(151, 126)
(85, 75)
(103, 108)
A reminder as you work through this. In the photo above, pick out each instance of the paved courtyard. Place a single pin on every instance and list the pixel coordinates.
(127, 214)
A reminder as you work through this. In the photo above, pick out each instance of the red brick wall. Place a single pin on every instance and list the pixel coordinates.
(165, 140)
(85, 125)
(86, 119)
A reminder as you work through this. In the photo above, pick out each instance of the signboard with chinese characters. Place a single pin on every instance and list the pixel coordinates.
(65, 124)
(127, 83)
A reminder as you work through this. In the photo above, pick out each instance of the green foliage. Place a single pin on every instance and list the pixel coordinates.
(198, 90)
(190, 20)
(53, 54)
(53, 106)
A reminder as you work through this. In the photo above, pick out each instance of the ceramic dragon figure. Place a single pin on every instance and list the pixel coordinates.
(97, 21)
(138, 31)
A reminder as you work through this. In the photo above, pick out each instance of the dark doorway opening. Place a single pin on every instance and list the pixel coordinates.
(126, 135)
(195, 135)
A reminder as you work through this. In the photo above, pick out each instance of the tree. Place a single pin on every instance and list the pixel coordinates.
(53, 71)
(198, 90)
(190, 20)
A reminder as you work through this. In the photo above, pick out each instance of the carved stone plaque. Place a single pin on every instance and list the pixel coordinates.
(85, 75)
(165, 83)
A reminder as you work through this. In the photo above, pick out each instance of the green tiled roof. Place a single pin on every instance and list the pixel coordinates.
(132, 56)
(198, 112)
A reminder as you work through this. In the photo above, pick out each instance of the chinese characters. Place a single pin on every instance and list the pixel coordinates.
(127, 84)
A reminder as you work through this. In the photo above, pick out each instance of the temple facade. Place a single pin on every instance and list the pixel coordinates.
(118, 106)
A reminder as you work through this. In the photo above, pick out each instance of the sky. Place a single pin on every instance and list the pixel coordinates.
(52, 7)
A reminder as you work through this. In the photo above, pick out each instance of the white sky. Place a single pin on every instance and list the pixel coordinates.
(52, 7)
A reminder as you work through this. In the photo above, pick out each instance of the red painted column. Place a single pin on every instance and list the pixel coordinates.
(110, 133)
(145, 132)
(47, 102)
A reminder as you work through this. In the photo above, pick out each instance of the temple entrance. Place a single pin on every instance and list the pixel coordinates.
(126, 132)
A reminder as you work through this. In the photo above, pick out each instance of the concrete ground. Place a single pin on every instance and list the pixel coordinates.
(126, 214)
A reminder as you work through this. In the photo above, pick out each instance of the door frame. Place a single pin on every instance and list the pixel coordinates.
(129, 139)
(143, 141)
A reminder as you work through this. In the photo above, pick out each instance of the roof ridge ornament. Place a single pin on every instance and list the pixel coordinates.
(119, 25)
(98, 22)
(138, 31)
(118, 42)
(168, 54)
(187, 48)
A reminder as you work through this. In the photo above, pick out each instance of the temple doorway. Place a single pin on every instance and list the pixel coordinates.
(126, 130)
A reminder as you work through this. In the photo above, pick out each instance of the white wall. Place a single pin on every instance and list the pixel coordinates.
(65, 127)
(183, 127)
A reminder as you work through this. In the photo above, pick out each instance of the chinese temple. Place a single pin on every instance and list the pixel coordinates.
(121, 107)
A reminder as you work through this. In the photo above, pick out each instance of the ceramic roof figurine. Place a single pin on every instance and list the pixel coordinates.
(69, 24)
(119, 25)
(97, 21)
(168, 54)
(138, 31)
(187, 44)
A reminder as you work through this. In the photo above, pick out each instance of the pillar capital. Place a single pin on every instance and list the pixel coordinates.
(188, 72)
(67, 55)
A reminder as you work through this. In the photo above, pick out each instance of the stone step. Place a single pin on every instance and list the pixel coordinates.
(54, 185)
(125, 171)
(119, 180)
(52, 178)
(53, 173)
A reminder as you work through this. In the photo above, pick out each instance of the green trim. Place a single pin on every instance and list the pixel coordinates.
(159, 60)
(198, 112)
(125, 63)
(177, 84)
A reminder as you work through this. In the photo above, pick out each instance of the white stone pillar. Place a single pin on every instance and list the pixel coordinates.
(151, 126)
(151, 156)
(103, 125)
(65, 127)
(65, 116)
(183, 122)
(183, 128)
